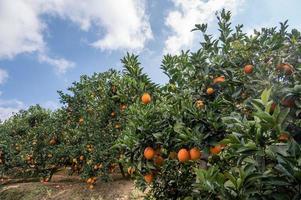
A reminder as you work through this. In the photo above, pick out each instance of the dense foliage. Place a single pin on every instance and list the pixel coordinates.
(226, 125)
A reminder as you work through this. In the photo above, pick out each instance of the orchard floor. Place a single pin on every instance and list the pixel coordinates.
(64, 187)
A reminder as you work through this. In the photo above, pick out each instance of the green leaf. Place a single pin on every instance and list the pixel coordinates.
(265, 95)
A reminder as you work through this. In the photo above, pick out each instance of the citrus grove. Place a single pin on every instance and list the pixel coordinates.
(227, 124)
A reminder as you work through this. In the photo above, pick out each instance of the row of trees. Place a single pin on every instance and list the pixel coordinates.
(226, 125)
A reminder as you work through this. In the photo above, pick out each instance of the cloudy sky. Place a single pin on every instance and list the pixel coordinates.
(46, 45)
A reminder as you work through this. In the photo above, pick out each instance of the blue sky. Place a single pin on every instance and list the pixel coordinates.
(47, 45)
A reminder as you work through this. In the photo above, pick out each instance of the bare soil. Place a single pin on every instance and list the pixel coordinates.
(63, 187)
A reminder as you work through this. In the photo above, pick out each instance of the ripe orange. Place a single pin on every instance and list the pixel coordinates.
(219, 79)
(288, 102)
(123, 107)
(287, 68)
(89, 180)
(146, 98)
(148, 178)
(149, 153)
(173, 155)
(117, 126)
(248, 69)
(199, 104)
(273, 106)
(52, 141)
(131, 170)
(216, 149)
(195, 153)
(283, 137)
(158, 160)
(81, 158)
(91, 187)
(210, 91)
(183, 155)
(113, 114)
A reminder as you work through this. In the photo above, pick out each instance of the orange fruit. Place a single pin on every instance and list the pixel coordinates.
(158, 160)
(122, 107)
(248, 69)
(288, 102)
(148, 178)
(199, 104)
(219, 79)
(131, 170)
(283, 137)
(195, 154)
(216, 149)
(113, 114)
(210, 91)
(146, 98)
(89, 181)
(173, 155)
(149, 153)
(287, 68)
(114, 90)
(91, 187)
(81, 158)
(117, 126)
(273, 106)
(52, 141)
(183, 155)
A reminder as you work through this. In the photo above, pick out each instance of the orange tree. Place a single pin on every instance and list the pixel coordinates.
(222, 77)
(261, 159)
(26, 147)
(96, 110)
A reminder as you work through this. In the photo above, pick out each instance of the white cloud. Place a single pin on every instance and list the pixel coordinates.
(20, 28)
(125, 23)
(9, 107)
(186, 14)
(21, 31)
(61, 65)
(3, 76)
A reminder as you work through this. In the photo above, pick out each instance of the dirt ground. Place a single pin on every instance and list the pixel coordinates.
(64, 187)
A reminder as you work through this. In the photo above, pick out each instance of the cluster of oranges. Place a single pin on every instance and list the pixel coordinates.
(91, 182)
(151, 154)
(30, 160)
(97, 166)
(185, 155)
(90, 147)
